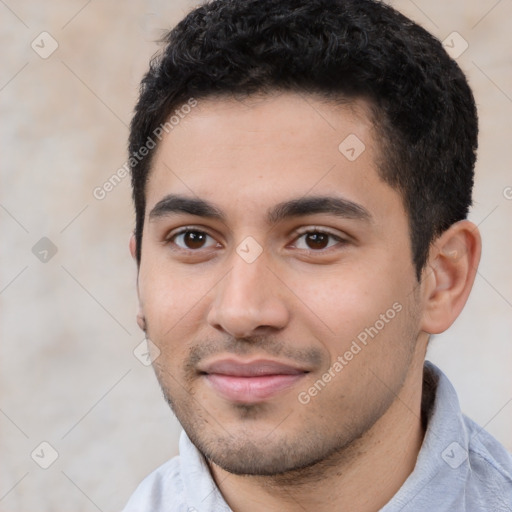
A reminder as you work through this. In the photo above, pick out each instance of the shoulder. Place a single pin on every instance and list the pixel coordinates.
(183, 484)
(161, 490)
(490, 466)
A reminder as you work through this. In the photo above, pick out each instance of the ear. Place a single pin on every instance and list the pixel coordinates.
(449, 275)
(141, 319)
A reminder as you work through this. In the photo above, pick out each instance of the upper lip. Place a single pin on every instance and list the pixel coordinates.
(255, 368)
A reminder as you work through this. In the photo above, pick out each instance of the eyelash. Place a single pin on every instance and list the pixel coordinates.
(298, 235)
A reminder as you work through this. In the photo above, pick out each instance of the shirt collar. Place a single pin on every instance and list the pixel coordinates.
(442, 461)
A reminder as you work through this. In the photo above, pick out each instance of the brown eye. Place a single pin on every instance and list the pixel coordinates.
(192, 239)
(317, 240)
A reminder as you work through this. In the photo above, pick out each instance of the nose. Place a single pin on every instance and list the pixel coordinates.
(249, 300)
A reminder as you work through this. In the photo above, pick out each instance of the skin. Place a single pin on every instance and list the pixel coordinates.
(303, 301)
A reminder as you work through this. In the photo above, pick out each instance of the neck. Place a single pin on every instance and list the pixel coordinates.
(363, 476)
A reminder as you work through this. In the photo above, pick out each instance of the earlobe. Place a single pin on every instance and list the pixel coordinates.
(132, 244)
(141, 321)
(449, 275)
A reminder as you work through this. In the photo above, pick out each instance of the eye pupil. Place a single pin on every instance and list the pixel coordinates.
(317, 240)
(194, 239)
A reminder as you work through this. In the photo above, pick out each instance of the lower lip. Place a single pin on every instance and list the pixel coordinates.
(251, 389)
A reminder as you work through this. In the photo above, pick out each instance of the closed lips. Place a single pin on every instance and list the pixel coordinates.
(252, 369)
(250, 382)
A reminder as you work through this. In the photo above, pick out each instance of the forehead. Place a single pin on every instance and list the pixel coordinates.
(254, 153)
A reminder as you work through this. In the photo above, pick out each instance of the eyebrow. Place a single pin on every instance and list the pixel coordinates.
(331, 205)
(339, 207)
(173, 203)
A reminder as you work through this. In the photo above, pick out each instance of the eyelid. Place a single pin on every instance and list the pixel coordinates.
(317, 229)
(341, 237)
(182, 229)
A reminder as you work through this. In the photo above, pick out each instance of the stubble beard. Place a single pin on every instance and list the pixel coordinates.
(289, 457)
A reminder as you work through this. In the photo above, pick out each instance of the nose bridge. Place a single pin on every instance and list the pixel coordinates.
(246, 285)
(244, 276)
(247, 298)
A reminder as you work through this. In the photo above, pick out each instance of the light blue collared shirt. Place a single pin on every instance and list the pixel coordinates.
(460, 468)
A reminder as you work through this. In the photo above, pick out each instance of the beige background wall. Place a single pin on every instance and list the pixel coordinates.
(68, 374)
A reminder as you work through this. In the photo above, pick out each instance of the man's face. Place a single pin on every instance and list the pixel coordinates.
(286, 330)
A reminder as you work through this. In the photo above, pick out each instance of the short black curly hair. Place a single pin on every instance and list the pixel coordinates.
(424, 110)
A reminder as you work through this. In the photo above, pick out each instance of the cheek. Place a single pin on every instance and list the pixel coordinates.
(354, 304)
(343, 301)
(171, 298)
